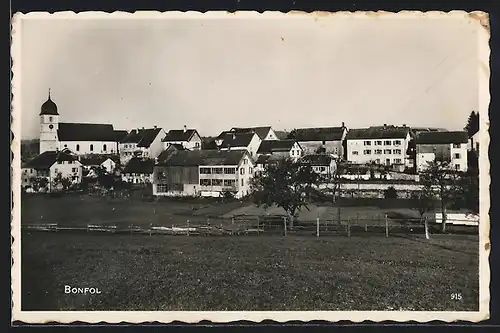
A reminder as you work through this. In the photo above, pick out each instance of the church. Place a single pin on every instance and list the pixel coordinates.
(80, 138)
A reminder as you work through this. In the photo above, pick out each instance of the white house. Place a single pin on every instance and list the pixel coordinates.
(446, 146)
(248, 141)
(109, 163)
(49, 165)
(141, 142)
(187, 138)
(386, 145)
(264, 132)
(322, 164)
(80, 138)
(326, 140)
(209, 173)
(283, 148)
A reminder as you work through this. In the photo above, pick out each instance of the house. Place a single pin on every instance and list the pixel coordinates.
(283, 148)
(108, 162)
(447, 146)
(188, 138)
(138, 170)
(327, 140)
(210, 173)
(80, 138)
(379, 144)
(144, 142)
(473, 144)
(119, 136)
(264, 132)
(49, 165)
(172, 149)
(323, 164)
(264, 160)
(248, 141)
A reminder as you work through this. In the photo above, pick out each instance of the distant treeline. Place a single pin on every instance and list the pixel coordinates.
(29, 148)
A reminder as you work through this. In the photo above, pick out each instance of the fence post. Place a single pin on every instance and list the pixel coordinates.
(426, 228)
(317, 227)
(232, 220)
(258, 226)
(187, 229)
(348, 229)
(284, 223)
(150, 228)
(366, 228)
(386, 227)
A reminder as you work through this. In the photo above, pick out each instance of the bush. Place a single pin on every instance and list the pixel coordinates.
(390, 193)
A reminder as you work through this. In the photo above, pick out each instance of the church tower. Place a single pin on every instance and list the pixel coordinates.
(49, 124)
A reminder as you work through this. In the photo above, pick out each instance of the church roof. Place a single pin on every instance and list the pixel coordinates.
(86, 132)
(49, 108)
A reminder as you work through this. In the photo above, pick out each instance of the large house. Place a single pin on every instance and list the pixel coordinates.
(108, 162)
(283, 148)
(138, 170)
(323, 164)
(445, 146)
(210, 173)
(329, 140)
(248, 141)
(49, 165)
(386, 145)
(264, 132)
(80, 138)
(187, 138)
(146, 143)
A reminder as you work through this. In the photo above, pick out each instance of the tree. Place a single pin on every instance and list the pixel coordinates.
(439, 178)
(391, 193)
(468, 193)
(286, 184)
(472, 124)
(39, 183)
(60, 181)
(423, 202)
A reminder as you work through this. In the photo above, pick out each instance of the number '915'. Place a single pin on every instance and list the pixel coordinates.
(456, 296)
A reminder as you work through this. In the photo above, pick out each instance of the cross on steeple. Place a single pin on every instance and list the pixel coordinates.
(49, 93)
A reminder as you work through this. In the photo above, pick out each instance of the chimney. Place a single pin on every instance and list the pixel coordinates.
(185, 128)
(234, 136)
(154, 126)
(404, 125)
(343, 125)
(385, 125)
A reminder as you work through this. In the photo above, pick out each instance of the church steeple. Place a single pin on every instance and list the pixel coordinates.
(49, 107)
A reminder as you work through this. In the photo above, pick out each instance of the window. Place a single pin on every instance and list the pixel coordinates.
(377, 160)
(25, 180)
(77, 147)
(293, 152)
(322, 169)
(217, 171)
(378, 143)
(397, 142)
(323, 142)
(161, 188)
(31, 170)
(205, 182)
(229, 182)
(230, 171)
(104, 147)
(206, 171)
(55, 170)
(245, 161)
(74, 169)
(457, 145)
(216, 182)
(378, 151)
(367, 143)
(457, 166)
(367, 152)
(197, 145)
(397, 161)
(242, 171)
(50, 119)
(355, 152)
(396, 151)
(65, 146)
(91, 147)
(387, 151)
(457, 155)
(387, 142)
(250, 170)
(242, 182)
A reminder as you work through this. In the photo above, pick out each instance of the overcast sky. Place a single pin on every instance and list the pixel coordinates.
(213, 74)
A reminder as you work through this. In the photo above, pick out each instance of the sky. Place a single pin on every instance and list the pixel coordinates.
(216, 73)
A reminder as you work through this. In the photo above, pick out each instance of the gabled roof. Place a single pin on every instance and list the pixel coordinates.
(172, 149)
(142, 137)
(45, 160)
(179, 135)
(270, 146)
(282, 135)
(139, 165)
(261, 131)
(442, 137)
(378, 132)
(318, 134)
(317, 159)
(97, 159)
(235, 139)
(204, 157)
(86, 132)
(120, 135)
(265, 159)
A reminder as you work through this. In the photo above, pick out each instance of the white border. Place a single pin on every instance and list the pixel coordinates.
(281, 316)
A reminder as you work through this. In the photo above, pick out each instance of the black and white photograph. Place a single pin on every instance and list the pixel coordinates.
(188, 166)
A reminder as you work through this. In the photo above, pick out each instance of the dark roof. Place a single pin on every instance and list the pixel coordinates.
(442, 137)
(235, 139)
(48, 158)
(378, 132)
(261, 131)
(85, 132)
(208, 143)
(318, 134)
(172, 149)
(264, 159)
(179, 135)
(204, 157)
(120, 135)
(142, 137)
(317, 159)
(270, 146)
(139, 165)
(96, 159)
(49, 108)
(282, 135)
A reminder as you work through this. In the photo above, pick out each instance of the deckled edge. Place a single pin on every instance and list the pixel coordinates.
(90, 317)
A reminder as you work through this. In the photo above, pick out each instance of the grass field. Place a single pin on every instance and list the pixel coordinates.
(249, 273)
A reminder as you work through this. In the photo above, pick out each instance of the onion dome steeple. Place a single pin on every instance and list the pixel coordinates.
(49, 107)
